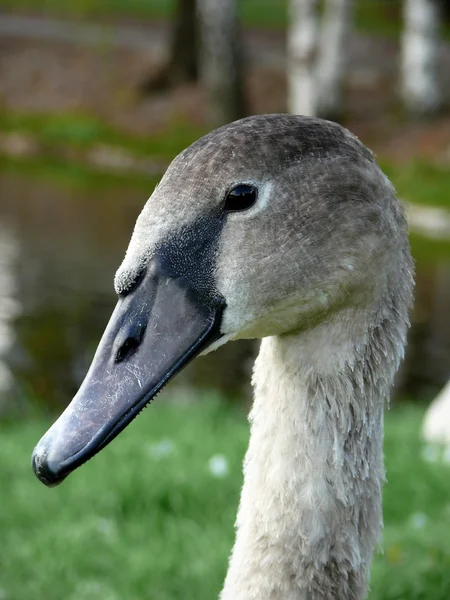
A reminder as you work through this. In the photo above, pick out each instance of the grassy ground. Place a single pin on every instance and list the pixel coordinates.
(81, 131)
(420, 182)
(370, 15)
(147, 519)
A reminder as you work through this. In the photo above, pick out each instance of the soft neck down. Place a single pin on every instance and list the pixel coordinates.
(310, 512)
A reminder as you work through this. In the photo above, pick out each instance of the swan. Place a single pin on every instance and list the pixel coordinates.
(284, 228)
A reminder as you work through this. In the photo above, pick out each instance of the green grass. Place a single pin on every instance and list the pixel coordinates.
(420, 182)
(81, 131)
(371, 16)
(257, 12)
(140, 524)
(428, 251)
(128, 525)
(75, 176)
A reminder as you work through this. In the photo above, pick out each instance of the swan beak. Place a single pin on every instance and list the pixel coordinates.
(154, 331)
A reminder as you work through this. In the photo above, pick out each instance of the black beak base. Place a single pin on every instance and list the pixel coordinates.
(154, 331)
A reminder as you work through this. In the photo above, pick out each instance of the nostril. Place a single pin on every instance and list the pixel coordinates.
(126, 349)
(129, 345)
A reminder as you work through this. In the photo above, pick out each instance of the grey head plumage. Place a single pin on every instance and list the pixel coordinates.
(325, 235)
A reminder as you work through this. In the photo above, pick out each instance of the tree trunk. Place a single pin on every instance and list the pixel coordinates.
(420, 56)
(221, 60)
(332, 58)
(302, 47)
(182, 64)
(9, 309)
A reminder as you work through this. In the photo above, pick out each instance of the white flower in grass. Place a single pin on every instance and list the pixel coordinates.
(418, 520)
(162, 449)
(446, 455)
(107, 529)
(218, 465)
(430, 453)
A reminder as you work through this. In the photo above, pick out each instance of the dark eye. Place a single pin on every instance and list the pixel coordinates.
(241, 197)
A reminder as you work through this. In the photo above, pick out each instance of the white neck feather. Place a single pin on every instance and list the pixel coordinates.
(310, 510)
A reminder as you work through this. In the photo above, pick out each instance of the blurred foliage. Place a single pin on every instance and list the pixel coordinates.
(429, 250)
(78, 177)
(420, 181)
(372, 16)
(69, 173)
(84, 131)
(148, 519)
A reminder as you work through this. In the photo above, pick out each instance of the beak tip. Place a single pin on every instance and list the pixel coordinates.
(44, 469)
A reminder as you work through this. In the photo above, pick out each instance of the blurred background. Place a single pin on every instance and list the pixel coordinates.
(96, 98)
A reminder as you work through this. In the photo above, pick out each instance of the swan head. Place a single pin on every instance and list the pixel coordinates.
(266, 226)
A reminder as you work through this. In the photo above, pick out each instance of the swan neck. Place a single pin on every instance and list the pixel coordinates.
(310, 510)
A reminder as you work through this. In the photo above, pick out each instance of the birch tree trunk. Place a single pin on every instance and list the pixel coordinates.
(221, 60)
(419, 78)
(301, 49)
(332, 58)
(9, 310)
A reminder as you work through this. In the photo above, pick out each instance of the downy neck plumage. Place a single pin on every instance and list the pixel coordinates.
(311, 510)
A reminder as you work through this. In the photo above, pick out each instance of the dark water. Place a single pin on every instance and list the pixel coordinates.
(60, 244)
